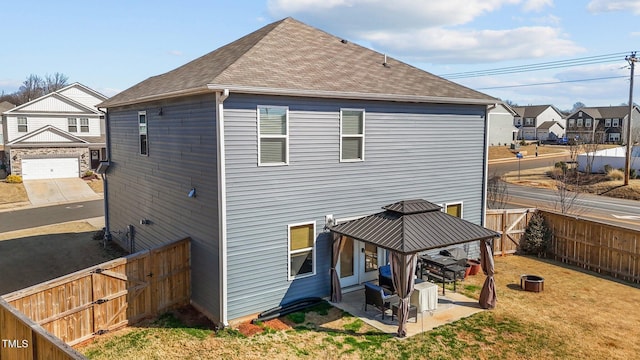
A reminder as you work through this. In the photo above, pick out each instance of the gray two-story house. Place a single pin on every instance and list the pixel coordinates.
(252, 149)
(602, 124)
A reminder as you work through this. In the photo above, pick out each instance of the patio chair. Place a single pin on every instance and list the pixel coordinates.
(384, 278)
(378, 297)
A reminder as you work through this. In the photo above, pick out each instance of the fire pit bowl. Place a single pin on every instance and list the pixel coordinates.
(532, 283)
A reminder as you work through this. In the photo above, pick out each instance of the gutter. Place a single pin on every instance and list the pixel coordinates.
(221, 96)
(105, 183)
(485, 165)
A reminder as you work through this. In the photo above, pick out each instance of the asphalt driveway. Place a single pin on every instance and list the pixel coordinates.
(53, 191)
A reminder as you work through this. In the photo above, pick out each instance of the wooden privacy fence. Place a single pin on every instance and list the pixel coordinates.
(89, 302)
(511, 224)
(22, 338)
(595, 246)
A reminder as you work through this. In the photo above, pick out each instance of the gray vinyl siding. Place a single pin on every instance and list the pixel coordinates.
(434, 152)
(182, 155)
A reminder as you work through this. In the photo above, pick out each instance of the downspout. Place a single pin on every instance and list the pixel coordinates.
(105, 183)
(222, 205)
(486, 164)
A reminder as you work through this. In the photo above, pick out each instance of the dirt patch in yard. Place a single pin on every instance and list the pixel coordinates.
(96, 185)
(12, 193)
(35, 255)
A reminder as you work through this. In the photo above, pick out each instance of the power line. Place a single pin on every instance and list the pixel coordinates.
(590, 60)
(552, 83)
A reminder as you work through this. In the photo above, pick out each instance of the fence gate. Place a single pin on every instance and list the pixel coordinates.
(511, 224)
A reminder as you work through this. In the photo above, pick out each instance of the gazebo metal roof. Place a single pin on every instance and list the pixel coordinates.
(412, 226)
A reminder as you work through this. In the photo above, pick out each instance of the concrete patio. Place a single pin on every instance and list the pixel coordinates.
(451, 307)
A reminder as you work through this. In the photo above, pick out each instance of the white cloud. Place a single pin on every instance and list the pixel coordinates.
(175, 52)
(473, 46)
(384, 14)
(600, 6)
(536, 5)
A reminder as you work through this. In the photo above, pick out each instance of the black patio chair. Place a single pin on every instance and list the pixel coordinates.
(378, 297)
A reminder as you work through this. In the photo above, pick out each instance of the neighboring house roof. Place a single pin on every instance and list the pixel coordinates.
(548, 124)
(43, 104)
(412, 226)
(533, 111)
(605, 112)
(289, 57)
(51, 132)
(5, 105)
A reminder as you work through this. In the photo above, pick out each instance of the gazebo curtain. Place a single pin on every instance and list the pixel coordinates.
(336, 290)
(488, 296)
(403, 268)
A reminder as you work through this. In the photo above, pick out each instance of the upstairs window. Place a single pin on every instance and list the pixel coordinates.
(615, 123)
(580, 122)
(72, 124)
(528, 121)
(142, 132)
(84, 125)
(587, 122)
(607, 122)
(22, 124)
(302, 244)
(572, 123)
(273, 135)
(351, 135)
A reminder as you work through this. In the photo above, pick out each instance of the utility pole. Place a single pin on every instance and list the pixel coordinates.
(627, 163)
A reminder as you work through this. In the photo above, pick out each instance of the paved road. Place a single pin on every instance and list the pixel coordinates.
(499, 168)
(39, 216)
(600, 208)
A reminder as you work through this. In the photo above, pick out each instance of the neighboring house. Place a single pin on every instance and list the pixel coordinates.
(602, 124)
(253, 149)
(58, 135)
(502, 131)
(550, 131)
(4, 106)
(528, 118)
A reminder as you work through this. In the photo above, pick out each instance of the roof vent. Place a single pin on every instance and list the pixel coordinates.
(344, 41)
(385, 64)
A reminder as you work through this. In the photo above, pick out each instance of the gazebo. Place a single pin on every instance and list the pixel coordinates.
(405, 229)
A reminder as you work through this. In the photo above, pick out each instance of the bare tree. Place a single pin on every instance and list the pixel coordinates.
(567, 190)
(55, 82)
(497, 192)
(31, 88)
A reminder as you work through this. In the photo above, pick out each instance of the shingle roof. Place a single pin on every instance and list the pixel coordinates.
(548, 124)
(291, 55)
(532, 111)
(422, 227)
(605, 112)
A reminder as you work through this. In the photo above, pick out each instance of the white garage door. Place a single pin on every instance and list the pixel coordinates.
(34, 169)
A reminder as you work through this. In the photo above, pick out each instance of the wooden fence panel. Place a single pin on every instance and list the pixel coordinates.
(78, 306)
(511, 224)
(595, 246)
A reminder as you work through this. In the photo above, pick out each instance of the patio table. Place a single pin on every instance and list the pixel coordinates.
(425, 296)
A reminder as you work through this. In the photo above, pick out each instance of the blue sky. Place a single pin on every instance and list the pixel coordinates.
(110, 46)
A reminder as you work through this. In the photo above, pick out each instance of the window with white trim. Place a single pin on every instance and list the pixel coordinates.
(580, 122)
(454, 209)
(528, 121)
(273, 135)
(614, 137)
(302, 250)
(72, 124)
(587, 122)
(607, 122)
(351, 135)
(572, 122)
(84, 125)
(615, 123)
(142, 133)
(22, 124)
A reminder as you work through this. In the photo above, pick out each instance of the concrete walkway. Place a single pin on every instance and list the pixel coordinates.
(54, 191)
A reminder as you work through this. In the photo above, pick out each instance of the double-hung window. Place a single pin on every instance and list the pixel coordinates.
(22, 124)
(572, 123)
(302, 245)
(72, 124)
(587, 122)
(580, 122)
(528, 121)
(607, 122)
(351, 135)
(142, 132)
(273, 135)
(616, 123)
(84, 125)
